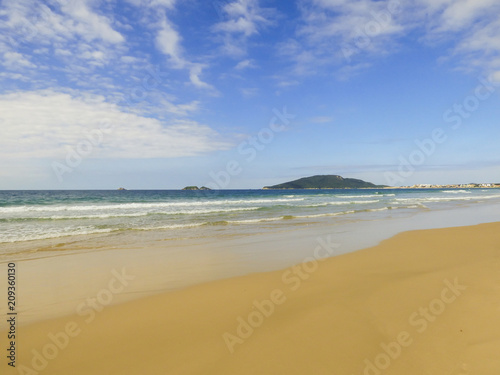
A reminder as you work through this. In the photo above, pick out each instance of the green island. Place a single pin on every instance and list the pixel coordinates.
(196, 188)
(326, 182)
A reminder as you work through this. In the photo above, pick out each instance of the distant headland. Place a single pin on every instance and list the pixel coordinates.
(339, 182)
(326, 182)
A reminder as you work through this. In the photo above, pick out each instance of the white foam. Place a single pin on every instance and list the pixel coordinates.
(172, 226)
(43, 234)
(253, 221)
(365, 196)
(130, 206)
(139, 214)
(325, 214)
(378, 209)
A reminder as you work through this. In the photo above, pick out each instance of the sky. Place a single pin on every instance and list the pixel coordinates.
(230, 94)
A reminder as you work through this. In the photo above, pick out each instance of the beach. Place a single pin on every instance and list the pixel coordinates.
(246, 187)
(424, 301)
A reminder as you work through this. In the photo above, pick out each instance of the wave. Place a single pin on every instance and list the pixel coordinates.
(20, 213)
(365, 196)
(336, 203)
(36, 232)
(123, 215)
(129, 206)
(433, 199)
(326, 214)
(456, 191)
(447, 199)
(489, 196)
(5, 238)
(362, 202)
(172, 226)
(259, 220)
(339, 203)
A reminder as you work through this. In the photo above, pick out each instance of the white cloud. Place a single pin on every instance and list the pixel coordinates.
(45, 124)
(129, 59)
(249, 92)
(83, 38)
(168, 42)
(169, 4)
(195, 71)
(472, 27)
(71, 31)
(495, 77)
(43, 50)
(33, 20)
(14, 76)
(336, 31)
(483, 38)
(88, 24)
(458, 14)
(347, 34)
(321, 120)
(346, 72)
(16, 61)
(62, 52)
(179, 110)
(245, 64)
(245, 18)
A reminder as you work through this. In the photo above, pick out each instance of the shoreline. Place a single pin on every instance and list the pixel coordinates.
(338, 315)
(187, 216)
(162, 265)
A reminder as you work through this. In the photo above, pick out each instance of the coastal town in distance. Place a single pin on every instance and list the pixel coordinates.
(453, 186)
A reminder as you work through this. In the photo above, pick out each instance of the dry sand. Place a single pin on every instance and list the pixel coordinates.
(423, 302)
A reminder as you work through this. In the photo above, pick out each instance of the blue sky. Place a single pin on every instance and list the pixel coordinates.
(160, 94)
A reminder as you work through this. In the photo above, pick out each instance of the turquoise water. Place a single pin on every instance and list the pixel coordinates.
(35, 215)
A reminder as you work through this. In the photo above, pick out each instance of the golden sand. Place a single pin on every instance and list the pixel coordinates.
(423, 302)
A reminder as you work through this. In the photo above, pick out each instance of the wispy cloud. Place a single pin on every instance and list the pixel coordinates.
(153, 3)
(245, 64)
(321, 120)
(75, 38)
(453, 16)
(249, 92)
(334, 32)
(65, 20)
(471, 27)
(347, 34)
(43, 124)
(37, 39)
(14, 61)
(88, 24)
(244, 18)
(168, 42)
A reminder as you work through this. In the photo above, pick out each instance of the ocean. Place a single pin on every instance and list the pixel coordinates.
(36, 215)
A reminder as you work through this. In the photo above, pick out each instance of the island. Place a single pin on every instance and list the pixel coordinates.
(326, 182)
(196, 188)
(121, 188)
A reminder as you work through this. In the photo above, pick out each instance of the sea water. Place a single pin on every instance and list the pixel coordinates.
(36, 215)
(173, 239)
